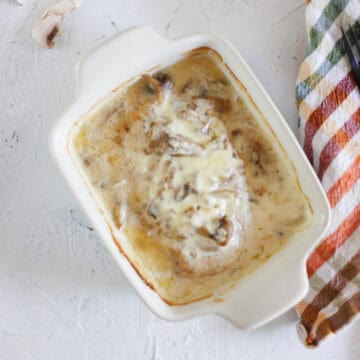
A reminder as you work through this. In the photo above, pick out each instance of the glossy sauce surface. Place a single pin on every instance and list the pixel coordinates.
(110, 145)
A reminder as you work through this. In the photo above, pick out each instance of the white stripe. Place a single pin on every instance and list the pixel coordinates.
(313, 14)
(347, 251)
(350, 290)
(326, 272)
(318, 56)
(314, 11)
(314, 98)
(333, 34)
(347, 293)
(351, 12)
(344, 208)
(322, 137)
(310, 295)
(342, 162)
(335, 122)
(333, 77)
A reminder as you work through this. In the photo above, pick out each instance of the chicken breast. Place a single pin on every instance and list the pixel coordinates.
(198, 196)
(165, 159)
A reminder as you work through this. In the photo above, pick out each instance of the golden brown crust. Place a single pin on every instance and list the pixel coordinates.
(126, 129)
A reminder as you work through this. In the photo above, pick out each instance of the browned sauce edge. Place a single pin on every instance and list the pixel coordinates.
(123, 85)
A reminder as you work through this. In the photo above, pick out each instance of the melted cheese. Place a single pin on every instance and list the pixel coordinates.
(166, 168)
(192, 194)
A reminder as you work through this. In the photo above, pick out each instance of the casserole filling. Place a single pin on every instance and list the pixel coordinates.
(195, 187)
(197, 196)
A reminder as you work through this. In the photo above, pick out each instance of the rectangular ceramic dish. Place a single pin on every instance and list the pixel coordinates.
(275, 286)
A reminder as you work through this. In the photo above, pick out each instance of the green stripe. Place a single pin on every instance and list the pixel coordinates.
(315, 38)
(332, 10)
(304, 88)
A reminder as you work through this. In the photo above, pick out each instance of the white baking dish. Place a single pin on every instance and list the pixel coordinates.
(278, 284)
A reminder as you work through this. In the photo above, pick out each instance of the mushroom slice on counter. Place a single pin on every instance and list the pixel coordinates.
(47, 26)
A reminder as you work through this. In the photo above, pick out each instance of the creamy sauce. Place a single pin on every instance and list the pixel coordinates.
(196, 188)
(198, 199)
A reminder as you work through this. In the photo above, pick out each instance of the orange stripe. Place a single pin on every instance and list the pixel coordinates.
(325, 109)
(338, 142)
(328, 247)
(330, 291)
(344, 184)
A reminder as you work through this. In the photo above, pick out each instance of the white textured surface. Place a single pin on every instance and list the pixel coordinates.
(61, 295)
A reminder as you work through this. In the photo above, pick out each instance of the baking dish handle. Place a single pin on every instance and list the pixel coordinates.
(275, 297)
(109, 64)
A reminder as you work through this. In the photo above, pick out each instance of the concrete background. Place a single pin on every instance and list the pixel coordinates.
(61, 294)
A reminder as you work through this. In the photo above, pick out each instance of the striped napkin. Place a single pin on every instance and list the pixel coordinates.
(329, 107)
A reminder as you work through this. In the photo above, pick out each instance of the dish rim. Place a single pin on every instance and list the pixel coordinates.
(235, 306)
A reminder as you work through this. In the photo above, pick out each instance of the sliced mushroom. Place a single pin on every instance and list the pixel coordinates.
(164, 79)
(47, 26)
(160, 141)
(183, 191)
(156, 87)
(223, 232)
(153, 210)
(204, 88)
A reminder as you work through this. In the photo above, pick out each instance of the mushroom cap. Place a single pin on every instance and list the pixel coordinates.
(47, 26)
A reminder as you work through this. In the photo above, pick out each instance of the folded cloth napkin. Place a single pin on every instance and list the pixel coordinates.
(329, 106)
